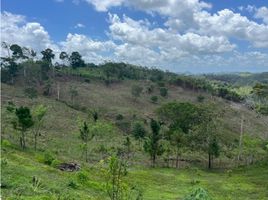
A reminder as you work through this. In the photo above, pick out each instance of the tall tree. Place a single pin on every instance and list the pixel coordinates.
(9, 69)
(152, 143)
(177, 139)
(17, 52)
(205, 136)
(76, 60)
(86, 136)
(38, 116)
(23, 122)
(64, 57)
(48, 55)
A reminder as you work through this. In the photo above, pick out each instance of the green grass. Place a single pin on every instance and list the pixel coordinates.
(60, 137)
(157, 183)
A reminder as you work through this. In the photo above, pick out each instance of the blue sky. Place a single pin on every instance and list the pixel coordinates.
(181, 36)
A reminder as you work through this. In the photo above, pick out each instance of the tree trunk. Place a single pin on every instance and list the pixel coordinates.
(241, 138)
(58, 91)
(209, 161)
(177, 160)
(153, 160)
(86, 153)
(35, 141)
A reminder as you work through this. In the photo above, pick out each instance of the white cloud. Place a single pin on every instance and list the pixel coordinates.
(15, 29)
(137, 33)
(262, 13)
(79, 25)
(90, 50)
(141, 42)
(232, 25)
(103, 5)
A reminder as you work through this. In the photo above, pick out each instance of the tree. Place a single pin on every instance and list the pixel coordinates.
(86, 136)
(205, 136)
(127, 144)
(17, 52)
(182, 116)
(198, 194)
(48, 55)
(116, 186)
(73, 92)
(38, 116)
(177, 139)
(64, 56)
(22, 123)
(136, 91)
(163, 91)
(152, 143)
(95, 116)
(154, 99)
(11, 68)
(76, 60)
(138, 130)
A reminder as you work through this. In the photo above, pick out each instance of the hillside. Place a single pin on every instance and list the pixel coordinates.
(60, 140)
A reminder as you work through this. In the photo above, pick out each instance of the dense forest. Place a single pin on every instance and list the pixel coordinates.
(77, 130)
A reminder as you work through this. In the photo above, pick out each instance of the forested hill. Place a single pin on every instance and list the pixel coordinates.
(70, 129)
(240, 79)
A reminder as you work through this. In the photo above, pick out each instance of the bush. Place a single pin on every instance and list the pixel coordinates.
(72, 184)
(119, 117)
(154, 99)
(87, 80)
(55, 163)
(163, 91)
(48, 158)
(150, 89)
(161, 84)
(30, 92)
(138, 130)
(136, 91)
(82, 177)
(6, 143)
(198, 194)
(200, 98)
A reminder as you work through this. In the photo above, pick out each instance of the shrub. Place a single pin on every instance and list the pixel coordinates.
(154, 99)
(136, 91)
(82, 177)
(163, 91)
(119, 117)
(198, 194)
(161, 84)
(6, 143)
(31, 92)
(150, 89)
(48, 158)
(72, 184)
(200, 98)
(55, 163)
(138, 130)
(87, 80)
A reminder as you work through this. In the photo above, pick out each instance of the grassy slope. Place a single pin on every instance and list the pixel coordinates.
(159, 183)
(61, 137)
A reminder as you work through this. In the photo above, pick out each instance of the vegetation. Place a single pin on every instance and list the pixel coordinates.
(208, 138)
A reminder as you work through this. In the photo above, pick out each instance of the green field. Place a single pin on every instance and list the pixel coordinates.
(60, 139)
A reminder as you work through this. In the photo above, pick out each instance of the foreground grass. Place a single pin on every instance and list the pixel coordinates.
(19, 168)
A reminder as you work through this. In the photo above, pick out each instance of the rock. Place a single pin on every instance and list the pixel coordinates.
(69, 167)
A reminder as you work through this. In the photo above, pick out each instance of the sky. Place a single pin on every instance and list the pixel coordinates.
(177, 35)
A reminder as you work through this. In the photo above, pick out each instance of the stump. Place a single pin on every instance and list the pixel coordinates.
(69, 167)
